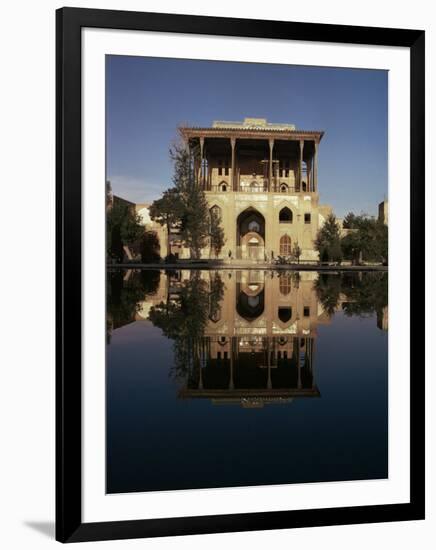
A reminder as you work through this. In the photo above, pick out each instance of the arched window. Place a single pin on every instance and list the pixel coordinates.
(285, 245)
(283, 188)
(285, 215)
(223, 186)
(215, 212)
(285, 284)
(215, 316)
(285, 314)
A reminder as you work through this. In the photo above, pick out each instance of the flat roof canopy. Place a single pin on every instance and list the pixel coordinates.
(251, 133)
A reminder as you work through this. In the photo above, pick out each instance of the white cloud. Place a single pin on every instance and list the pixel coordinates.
(136, 190)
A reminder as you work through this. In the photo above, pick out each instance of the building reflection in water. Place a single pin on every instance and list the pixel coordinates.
(244, 337)
(253, 370)
(258, 345)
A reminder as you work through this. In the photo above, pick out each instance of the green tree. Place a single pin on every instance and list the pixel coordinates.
(216, 233)
(184, 205)
(296, 252)
(328, 241)
(167, 211)
(123, 225)
(149, 247)
(367, 240)
(349, 221)
(194, 229)
(382, 244)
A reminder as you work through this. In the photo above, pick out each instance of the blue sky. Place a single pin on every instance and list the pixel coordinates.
(147, 98)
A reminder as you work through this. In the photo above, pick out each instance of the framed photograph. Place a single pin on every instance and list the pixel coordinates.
(240, 299)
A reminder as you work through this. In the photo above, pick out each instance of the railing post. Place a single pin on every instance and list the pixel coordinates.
(200, 168)
(271, 146)
(300, 166)
(233, 179)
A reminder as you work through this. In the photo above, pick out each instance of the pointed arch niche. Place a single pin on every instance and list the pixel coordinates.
(285, 215)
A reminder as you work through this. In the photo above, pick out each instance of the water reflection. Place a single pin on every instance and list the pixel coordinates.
(252, 370)
(243, 337)
(234, 378)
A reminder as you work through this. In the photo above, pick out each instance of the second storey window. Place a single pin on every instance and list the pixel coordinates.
(307, 218)
(285, 215)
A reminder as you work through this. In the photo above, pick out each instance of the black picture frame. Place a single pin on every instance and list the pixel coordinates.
(69, 525)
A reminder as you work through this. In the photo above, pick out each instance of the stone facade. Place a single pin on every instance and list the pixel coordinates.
(262, 180)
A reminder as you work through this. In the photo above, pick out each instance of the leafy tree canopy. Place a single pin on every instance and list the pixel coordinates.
(123, 225)
(367, 240)
(328, 240)
(185, 206)
(216, 233)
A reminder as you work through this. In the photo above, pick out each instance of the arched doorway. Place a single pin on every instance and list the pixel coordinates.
(252, 246)
(250, 237)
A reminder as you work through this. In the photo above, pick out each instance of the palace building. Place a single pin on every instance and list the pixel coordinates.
(261, 179)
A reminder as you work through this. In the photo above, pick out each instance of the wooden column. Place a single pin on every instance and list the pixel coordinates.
(200, 168)
(233, 179)
(209, 174)
(300, 165)
(270, 172)
(310, 174)
(206, 172)
(315, 167)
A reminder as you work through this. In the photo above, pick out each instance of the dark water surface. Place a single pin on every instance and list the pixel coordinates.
(232, 378)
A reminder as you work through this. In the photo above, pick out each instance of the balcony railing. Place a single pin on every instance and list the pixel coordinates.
(258, 187)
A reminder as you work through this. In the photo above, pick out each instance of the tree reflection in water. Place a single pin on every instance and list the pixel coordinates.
(361, 294)
(184, 316)
(125, 290)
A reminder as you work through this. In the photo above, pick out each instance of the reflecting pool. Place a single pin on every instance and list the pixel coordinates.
(245, 377)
